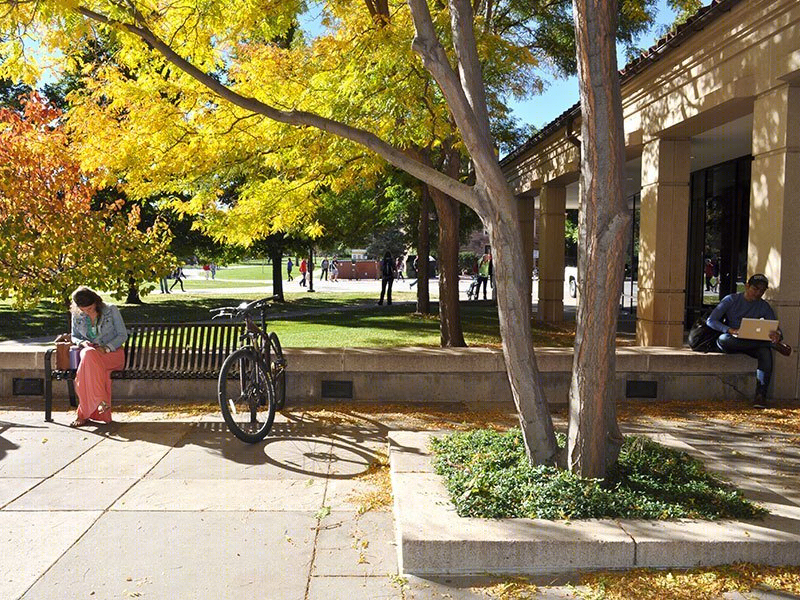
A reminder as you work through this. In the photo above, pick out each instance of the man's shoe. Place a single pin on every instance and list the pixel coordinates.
(760, 400)
(784, 349)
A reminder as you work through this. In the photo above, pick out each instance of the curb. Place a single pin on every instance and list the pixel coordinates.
(433, 540)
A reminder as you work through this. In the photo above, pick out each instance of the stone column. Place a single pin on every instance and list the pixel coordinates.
(552, 214)
(525, 210)
(775, 220)
(663, 235)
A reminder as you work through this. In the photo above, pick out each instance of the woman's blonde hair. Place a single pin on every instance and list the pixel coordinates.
(85, 296)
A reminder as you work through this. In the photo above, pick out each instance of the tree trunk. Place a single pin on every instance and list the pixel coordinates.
(449, 309)
(276, 256)
(423, 252)
(514, 310)
(594, 438)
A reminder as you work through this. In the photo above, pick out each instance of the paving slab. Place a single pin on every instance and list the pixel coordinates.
(217, 495)
(202, 556)
(225, 457)
(31, 542)
(115, 459)
(12, 487)
(348, 494)
(349, 544)
(59, 493)
(40, 453)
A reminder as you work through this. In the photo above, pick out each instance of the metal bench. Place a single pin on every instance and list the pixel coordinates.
(160, 351)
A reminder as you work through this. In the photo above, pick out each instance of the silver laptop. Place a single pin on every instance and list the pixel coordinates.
(756, 329)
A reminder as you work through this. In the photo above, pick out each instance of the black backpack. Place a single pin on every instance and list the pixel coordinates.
(703, 338)
(388, 268)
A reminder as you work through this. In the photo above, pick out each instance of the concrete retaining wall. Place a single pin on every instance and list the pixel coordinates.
(437, 375)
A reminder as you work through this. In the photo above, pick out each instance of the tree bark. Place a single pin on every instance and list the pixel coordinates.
(594, 437)
(276, 256)
(449, 215)
(423, 252)
(449, 310)
(514, 310)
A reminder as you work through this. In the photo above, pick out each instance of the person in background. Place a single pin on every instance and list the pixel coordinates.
(213, 270)
(708, 271)
(324, 272)
(484, 271)
(289, 266)
(164, 285)
(178, 276)
(388, 273)
(400, 266)
(303, 272)
(99, 331)
(334, 266)
(727, 317)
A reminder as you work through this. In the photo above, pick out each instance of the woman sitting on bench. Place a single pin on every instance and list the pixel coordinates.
(98, 329)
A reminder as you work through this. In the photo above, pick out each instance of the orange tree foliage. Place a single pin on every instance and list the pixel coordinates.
(51, 240)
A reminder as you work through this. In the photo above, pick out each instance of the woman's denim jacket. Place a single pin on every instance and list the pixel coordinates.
(111, 331)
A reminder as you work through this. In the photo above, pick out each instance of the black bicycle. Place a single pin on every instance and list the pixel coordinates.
(252, 380)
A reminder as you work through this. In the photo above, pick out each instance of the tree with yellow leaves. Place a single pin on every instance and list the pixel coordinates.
(212, 62)
(51, 240)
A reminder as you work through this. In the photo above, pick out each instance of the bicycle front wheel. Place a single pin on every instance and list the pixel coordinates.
(277, 367)
(246, 396)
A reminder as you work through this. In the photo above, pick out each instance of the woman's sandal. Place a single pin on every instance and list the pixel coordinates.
(102, 407)
(78, 423)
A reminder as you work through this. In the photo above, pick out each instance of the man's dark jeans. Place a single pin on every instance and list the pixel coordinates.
(758, 349)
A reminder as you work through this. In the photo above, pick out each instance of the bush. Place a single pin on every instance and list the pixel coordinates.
(488, 475)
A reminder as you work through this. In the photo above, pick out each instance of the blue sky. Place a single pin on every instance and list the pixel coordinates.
(563, 93)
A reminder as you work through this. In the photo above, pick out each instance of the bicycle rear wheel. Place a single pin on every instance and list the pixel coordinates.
(246, 396)
(277, 367)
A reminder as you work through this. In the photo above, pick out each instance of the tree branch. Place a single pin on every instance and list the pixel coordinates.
(426, 45)
(469, 66)
(398, 158)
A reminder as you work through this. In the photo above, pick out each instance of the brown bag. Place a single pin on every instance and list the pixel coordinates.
(63, 344)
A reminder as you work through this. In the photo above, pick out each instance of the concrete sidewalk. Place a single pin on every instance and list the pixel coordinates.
(164, 507)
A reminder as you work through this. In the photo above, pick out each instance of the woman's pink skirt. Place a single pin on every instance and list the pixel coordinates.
(93, 382)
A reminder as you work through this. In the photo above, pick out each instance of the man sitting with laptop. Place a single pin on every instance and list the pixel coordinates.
(751, 328)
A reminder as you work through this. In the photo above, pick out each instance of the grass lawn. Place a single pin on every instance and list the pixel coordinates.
(305, 320)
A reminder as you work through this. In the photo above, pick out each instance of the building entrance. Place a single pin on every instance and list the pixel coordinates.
(718, 229)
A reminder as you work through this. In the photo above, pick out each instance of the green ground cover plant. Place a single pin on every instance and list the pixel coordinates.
(487, 475)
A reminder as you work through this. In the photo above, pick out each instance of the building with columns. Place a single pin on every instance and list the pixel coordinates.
(712, 135)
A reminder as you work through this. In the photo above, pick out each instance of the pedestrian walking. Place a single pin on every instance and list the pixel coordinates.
(303, 272)
(324, 265)
(207, 270)
(178, 276)
(400, 266)
(289, 265)
(213, 270)
(334, 267)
